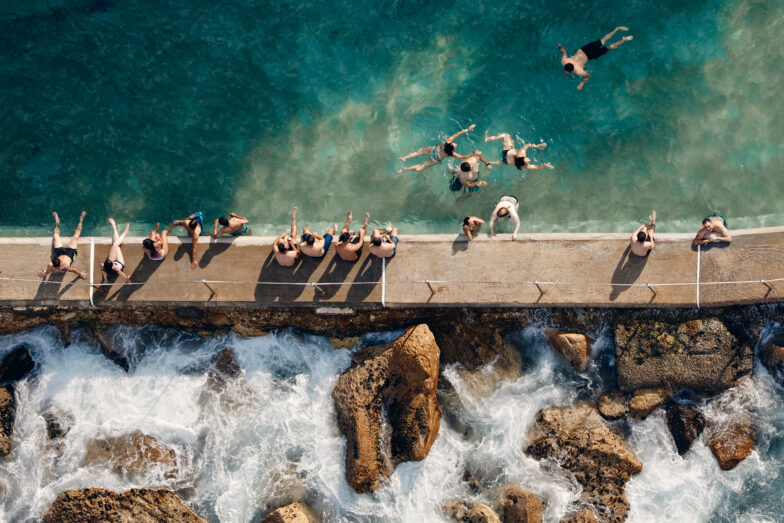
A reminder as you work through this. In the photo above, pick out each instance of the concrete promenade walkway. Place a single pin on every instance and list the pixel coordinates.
(572, 270)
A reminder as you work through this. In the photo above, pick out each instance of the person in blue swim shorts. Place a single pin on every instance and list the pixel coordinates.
(194, 225)
(314, 245)
(234, 225)
(383, 242)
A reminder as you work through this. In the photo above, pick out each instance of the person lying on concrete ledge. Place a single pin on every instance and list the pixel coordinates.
(63, 257)
(714, 229)
(506, 208)
(383, 243)
(286, 251)
(642, 238)
(349, 248)
(235, 225)
(471, 224)
(115, 263)
(193, 224)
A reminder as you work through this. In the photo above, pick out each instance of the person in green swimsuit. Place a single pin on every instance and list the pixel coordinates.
(63, 257)
(234, 225)
(714, 229)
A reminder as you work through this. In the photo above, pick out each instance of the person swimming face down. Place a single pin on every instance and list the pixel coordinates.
(568, 68)
(465, 167)
(449, 148)
(520, 162)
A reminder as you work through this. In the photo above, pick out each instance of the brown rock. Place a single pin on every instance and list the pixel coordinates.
(613, 405)
(109, 350)
(294, 513)
(226, 364)
(699, 354)
(137, 505)
(401, 376)
(57, 423)
(468, 512)
(580, 440)
(733, 443)
(16, 365)
(520, 506)
(134, 454)
(218, 319)
(248, 331)
(7, 417)
(586, 515)
(645, 401)
(348, 342)
(474, 345)
(575, 348)
(772, 355)
(685, 422)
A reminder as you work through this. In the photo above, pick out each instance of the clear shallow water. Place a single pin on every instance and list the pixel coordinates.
(149, 111)
(273, 434)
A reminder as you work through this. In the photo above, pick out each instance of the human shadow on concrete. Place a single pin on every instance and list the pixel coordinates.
(215, 248)
(336, 272)
(459, 244)
(141, 273)
(50, 287)
(627, 271)
(367, 279)
(284, 284)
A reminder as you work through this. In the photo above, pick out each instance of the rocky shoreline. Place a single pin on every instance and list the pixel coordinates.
(389, 402)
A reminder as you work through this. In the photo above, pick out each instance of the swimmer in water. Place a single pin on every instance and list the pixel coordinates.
(115, 263)
(435, 152)
(592, 51)
(714, 229)
(506, 208)
(469, 171)
(156, 247)
(63, 257)
(517, 157)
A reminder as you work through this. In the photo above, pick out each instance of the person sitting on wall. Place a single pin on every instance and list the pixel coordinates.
(234, 225)
(349, 248)
(63, 257)
(471, 224)
(315, 245)
(286, 251)
(506, 208)
(156, 247)
(193, 224)
(714, 229)
(642, 238)
(383, 243)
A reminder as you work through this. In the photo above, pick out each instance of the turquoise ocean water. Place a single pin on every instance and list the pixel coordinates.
(148, 111)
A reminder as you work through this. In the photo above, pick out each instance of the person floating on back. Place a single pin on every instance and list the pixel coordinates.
(234, 225)
(383, 243)
(592, 51)
(506, 208)
(193, 224)
(516, 157)
(642, 239)
(349, 246)
(714, 229)
(115, 263)
(314, 245)
(156, 247)
(63, 257)
(471, 225)
(435, 152)
(286, 251)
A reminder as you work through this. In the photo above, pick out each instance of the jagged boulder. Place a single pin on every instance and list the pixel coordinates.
(575, 348)
(586, 515)
(644, 401)
(7, 416)
(294, 513)
(475, 345)
(772, 356)
(580, 440)
(520, 506)
(138, 505)
(401, 379)
(613, 405)
(700, 354)
(112, 353)
(134, 454)
(685, 422)
(733, 443)
(58, 424)
(16, 365)
(468, 512)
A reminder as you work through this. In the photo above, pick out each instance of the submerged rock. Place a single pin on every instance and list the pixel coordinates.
(474, 345)
(586, 515)
(348, 342)
(772, 356)
(613, 405)
(7, 416)
(135, 454)
(109, 350)
(294, 513)
(520, 506)
(137, 505)
(733, 443)
(57, 423)
(16, 365)
(226, 363)
(699, 354)
(468, 512)
(575, 348)
(400, 378)
(685, 422)
(580, 441)
(644, 401)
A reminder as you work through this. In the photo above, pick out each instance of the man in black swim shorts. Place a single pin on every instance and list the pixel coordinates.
(591, 51)
(63, 256)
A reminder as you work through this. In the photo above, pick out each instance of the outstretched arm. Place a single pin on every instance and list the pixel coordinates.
(82, 275)
(516, 219)
(699, 238)
(467, 232)
(492, 221)
(564, 56)
(587, 77)
(487, 164)
(635, 233)
(451, 138)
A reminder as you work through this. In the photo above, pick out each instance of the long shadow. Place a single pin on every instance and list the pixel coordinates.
(369, 276)
(460, 243)
(336, 272)
(140, 274)
(626, 272)
(182, 250)
(215, 248)
(49, 288)
(276, 291)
